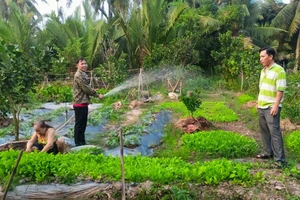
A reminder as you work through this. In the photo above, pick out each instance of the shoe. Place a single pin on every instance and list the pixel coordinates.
(80, 144)
(264, 156)
(279, 165)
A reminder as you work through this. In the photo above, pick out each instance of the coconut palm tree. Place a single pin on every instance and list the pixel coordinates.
(89, 31)
(112, 5)
(289, 19)
(239, 15)
(146, 26)
(3, 9)
(19, 28)
(25, 6)
(98, 5)
(269, 10)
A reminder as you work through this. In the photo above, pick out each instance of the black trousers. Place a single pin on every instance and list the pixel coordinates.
(53, 150)
(81, 116)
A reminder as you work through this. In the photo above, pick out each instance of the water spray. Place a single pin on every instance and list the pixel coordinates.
(148, 77)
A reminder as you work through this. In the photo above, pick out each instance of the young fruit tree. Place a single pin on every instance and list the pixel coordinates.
(191, 101)
(17, 77)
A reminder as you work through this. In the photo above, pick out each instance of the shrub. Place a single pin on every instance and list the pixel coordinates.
(56, 92)
(291, 104)
(199, 83)
(292, 142)
(244, 98)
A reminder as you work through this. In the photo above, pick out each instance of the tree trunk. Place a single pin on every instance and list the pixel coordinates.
(242, 80)
(128, 38)
(297, 53)
(16, 123)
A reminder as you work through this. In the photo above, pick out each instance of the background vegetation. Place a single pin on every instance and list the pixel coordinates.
(219, 39)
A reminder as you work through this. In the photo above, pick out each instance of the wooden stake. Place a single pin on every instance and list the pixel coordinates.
(12, 175)
(180, 87)
(122, 164)
(140, 84)
(91, 81)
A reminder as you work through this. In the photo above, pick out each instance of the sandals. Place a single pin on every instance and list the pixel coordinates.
(264, 156)
(279, 165)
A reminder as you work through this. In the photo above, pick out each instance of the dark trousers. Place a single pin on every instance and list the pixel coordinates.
(53, 150)
(271, 134)
(81, 116)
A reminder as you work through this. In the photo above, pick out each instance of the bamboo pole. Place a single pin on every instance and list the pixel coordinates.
(122, 164)
(12, 175)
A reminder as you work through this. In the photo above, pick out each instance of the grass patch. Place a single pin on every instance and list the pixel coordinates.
(220, 143)
(171, 144)
(247, 115)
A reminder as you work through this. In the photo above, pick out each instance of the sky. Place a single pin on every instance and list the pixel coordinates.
(52, 6)
(45, 8)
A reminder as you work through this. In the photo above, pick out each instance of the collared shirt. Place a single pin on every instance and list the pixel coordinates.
(81, 88)
(271, 81)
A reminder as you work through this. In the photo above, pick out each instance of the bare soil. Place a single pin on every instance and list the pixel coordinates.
(238, 127)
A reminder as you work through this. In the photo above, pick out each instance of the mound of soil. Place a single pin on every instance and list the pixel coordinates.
(191, 124)
(17, 145)
(250, 104)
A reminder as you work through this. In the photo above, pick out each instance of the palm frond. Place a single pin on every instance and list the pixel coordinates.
(245, 10)
(94, 39)
(266, 32)
(210, 24)
(21, 27)
(89, 14)
(173, 15)
(284, 18)
(295, 24)
(5, 31)
(57, 30)
(152, 18)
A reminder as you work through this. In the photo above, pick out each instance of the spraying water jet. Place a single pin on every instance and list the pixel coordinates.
(147, 77)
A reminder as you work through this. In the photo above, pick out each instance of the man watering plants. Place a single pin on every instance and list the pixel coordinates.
(81, 97)
(271, 87)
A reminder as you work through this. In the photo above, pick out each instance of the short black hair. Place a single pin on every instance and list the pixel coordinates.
(269, 50)
(80, 59)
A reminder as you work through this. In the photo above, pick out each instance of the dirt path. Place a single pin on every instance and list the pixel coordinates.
(238, 127)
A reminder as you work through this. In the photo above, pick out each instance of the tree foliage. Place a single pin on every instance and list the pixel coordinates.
(17, 77)
(235, 60)
(191, 101)
(289, 19)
